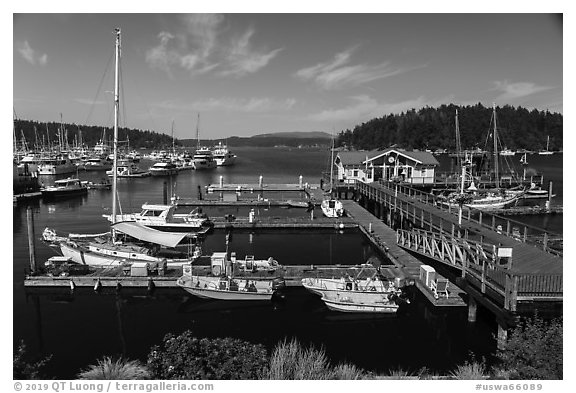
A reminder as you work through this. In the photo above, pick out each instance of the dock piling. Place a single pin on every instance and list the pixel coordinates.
(165, 193)
(31, 247)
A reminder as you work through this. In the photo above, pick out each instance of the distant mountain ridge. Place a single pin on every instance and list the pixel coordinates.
(296, 135)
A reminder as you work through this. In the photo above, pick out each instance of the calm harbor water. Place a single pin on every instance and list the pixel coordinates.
(81, 327)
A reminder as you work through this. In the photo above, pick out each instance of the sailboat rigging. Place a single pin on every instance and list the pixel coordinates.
(332, 207)
(109, 249)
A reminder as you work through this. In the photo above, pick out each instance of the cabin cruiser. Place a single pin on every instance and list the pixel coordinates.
(163, 169)
(163, 218)
(64, 187)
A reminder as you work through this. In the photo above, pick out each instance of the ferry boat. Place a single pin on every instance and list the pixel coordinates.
(163, 169)
(222, 155)
(64, 188)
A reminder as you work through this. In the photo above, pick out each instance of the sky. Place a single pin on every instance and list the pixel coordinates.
(248, 74)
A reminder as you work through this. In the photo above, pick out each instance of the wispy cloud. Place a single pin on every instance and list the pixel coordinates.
(229, 104)
(30, 54)
(338, 73)
(202, 43)
(86, 101)
(364, 107)
(517, 90)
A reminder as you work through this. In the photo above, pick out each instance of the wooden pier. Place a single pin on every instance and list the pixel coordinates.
(500, 264)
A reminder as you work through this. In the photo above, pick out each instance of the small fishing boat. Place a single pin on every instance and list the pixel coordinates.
(128, 169)
(64, 188)
(332, 208)
(229, 288)
(376, 294)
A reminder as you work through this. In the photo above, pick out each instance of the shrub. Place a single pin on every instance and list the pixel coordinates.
(290, 361)
(470, 371)
(24, 369)
(189, 357)
(119, 369)
(533, 350)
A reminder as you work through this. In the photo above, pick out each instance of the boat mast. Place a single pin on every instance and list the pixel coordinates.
(116, 107)
(173, 151)
(458, 143)
(198, 131)
(331, 165)
(495, 148)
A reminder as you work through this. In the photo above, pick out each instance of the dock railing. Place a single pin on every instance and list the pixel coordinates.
(541, 238)
(481, 266)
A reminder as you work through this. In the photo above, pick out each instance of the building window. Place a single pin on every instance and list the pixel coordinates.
(355, 173)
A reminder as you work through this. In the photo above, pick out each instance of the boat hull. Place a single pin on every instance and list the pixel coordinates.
(210, 288)
(164, 172)
(344, 305)
(63, 193)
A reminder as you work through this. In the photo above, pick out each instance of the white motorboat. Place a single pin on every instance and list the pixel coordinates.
(203, 159)
(128, 169)
(164, 218)
(98, 164)
(226, 288)
(332, 208)
(222, 155)
(163, 169)
(55, 165)
(64, 188)
(375, 294)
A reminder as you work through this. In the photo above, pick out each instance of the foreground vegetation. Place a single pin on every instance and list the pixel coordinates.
(533, 352)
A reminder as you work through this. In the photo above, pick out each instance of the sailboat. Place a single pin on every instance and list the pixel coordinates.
(546, 152)
(332, 207)
(139, 243)
(492, 200)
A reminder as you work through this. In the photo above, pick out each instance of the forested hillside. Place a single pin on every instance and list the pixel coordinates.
(434, 128)
(40, 133)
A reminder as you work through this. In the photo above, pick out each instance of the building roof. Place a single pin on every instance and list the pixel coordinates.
(359, 157)
(356, 157)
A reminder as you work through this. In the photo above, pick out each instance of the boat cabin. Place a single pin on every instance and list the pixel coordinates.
(391, 164)
(68, 183)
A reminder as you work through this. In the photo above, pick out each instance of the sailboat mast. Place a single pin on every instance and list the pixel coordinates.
(198, 131)
(331, 166)
(496, 169)
(173, 151)
(458, 143)
(116, 108)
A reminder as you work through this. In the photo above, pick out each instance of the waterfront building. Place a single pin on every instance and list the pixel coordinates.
(414, 167)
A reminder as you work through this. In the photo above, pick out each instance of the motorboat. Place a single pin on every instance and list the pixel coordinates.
(98, 164)
(332, 208)
(203, 159)
(226, 287)
(222, 155)
(164, 218)
(64, 188)
(163, 168)
(55, 165)
(128, 169)
(375, 294)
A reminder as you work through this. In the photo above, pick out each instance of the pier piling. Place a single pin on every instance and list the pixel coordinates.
(31, 247)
